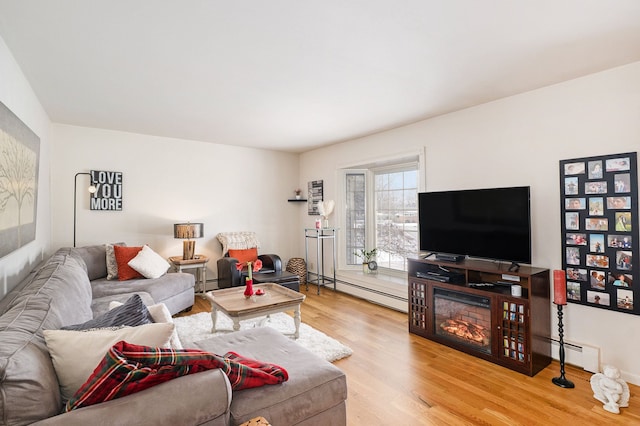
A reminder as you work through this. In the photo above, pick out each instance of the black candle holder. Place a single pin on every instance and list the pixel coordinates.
(561, 381)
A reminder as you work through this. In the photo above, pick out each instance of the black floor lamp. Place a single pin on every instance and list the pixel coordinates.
(91, 189)
(560, 299)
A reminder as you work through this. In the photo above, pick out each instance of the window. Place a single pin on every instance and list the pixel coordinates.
(381, 208)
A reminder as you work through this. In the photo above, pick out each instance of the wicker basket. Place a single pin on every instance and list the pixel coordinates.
(297, 265)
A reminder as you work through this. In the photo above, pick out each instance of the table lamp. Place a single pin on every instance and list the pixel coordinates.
(187, 231)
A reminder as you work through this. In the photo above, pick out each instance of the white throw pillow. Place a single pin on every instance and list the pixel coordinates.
(160, 313)
(149, 263)
(75, 354)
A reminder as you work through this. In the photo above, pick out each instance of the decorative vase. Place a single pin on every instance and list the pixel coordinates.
(248, 290)
(326, 223)
(298, 197)
(365, 267)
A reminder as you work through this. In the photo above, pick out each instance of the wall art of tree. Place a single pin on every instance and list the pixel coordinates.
(19, 157)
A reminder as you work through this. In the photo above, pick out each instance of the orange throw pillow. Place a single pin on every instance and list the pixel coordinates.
(245, 255)
(123, 256)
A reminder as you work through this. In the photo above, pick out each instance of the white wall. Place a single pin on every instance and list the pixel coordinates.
(17, 95)
(166, 181)
(520, 141)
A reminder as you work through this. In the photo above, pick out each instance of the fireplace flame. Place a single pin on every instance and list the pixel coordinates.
(466, 330)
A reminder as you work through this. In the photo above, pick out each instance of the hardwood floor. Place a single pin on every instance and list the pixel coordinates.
(397, 378)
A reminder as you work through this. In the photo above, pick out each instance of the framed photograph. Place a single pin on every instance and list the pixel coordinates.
(576, 239)
(618, 203)
(595, 187)
(598, 203)
(624, 299)
(595, 169)
(596, 243)
(574, 168)
(571, 186)
(572, 221)
(575, 203)
(618, 164)
(315, 194)
(596, 206)
(601, 224)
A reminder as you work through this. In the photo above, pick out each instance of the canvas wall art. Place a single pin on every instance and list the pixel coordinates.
(19, 164)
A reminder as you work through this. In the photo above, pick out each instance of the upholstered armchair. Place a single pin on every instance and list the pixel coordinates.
(242, 247)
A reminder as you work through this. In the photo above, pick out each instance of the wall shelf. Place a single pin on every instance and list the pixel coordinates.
(297, 200)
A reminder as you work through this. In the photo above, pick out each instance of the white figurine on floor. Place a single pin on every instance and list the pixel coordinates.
(610, 389)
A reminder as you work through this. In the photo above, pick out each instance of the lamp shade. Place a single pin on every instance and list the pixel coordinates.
(186, 231)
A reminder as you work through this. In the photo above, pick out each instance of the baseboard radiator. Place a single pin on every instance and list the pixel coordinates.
(581, 355)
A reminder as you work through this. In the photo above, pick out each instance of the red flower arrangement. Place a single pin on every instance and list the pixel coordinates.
(257, 265)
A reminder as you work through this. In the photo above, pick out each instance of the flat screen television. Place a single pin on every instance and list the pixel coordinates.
(492, 223)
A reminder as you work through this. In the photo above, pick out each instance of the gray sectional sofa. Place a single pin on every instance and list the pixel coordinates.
(68, 289)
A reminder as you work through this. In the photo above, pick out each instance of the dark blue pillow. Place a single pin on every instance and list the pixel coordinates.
(132, 313)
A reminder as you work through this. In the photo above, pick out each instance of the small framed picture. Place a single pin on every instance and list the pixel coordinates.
(574, 168)
(618, 203)
(573, 290)
(623, 221)
(573, 255)
(596, 206)
(624, 260)
(624, 299)
(572, 221)
(598, 261)
(620, 279)
(595, 169)
(599, 187)
(601, 224)
(576, 239)
(618, 164)
(577, 274)
(596, 243)
(619, 241)
(597, 279)
(571, 186)
(622, 183)
(575, 203)
(598, 298)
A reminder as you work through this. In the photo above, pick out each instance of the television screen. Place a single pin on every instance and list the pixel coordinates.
(487, 223)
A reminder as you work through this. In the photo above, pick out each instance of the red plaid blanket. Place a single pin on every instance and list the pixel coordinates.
(129, 368)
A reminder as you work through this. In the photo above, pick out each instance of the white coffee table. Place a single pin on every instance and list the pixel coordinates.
(235, 305)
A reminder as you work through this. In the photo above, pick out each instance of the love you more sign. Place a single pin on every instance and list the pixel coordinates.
(108, 190)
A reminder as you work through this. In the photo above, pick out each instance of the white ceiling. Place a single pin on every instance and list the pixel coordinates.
(292, 75)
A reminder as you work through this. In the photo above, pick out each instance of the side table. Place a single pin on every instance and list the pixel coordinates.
(320, 235)
(199, 263)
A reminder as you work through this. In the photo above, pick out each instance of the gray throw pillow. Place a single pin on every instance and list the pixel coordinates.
(132, 313)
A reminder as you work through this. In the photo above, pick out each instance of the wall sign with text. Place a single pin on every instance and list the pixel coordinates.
(108, 193)
(599, 205)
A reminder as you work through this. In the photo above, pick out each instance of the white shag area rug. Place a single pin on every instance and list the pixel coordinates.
(197, 327)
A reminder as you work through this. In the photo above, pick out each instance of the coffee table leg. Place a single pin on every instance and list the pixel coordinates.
(236, 323)
(296, 320)
(214, 318)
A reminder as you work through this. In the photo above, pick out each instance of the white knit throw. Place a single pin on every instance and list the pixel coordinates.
(237, 240)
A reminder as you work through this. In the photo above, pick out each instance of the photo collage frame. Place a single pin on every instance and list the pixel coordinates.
(599, 197)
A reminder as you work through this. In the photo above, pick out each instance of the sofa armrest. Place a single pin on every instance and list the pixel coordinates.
(228, 275)
(196, 399)
(271, 262)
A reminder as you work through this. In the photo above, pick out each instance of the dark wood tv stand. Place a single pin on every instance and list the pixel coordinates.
(483, 320)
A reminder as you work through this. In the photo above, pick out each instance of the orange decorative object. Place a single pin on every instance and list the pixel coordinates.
(559, 287)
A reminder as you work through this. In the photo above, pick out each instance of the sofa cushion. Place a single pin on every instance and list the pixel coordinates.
(112, 265)
(132, 313)
(160, 313)
(314, 384)
(123, 256)
(244, 255)
(95, 259)
(149, 263)
(75, 354)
